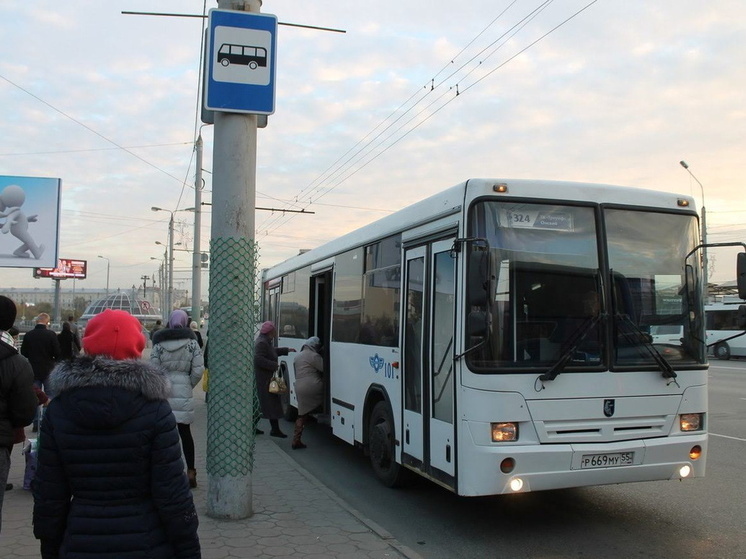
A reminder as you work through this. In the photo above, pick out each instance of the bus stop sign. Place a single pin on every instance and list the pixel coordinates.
(241, 55)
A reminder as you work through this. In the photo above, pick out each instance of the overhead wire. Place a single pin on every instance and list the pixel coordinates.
(339, 164)
(93, 131)
(322, 190)
(65, 151)
(197, 104)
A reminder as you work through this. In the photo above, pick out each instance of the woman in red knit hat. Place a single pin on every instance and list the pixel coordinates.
(110, 480)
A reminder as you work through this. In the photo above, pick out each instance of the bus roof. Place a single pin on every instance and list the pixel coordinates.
(454, 199)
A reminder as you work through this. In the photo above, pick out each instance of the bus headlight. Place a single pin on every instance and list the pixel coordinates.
(502, 432)
(691, 421)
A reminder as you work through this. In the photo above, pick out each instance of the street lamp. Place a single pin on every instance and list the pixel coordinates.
(25, 308)
(704, 230)
(170, 288)
(108, 268)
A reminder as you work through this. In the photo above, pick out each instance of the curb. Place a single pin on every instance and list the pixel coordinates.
(382, 533)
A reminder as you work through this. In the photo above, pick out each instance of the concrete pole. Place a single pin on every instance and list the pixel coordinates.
(170, 266)
(230, 426)
(197, 254)
(164, 286)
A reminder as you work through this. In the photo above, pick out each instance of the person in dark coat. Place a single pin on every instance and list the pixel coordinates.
(69, 342)
(17, 399)
(110, 481)
(42, 348)
(265, 365)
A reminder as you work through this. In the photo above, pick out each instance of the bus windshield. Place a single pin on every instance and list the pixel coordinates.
(558, 293)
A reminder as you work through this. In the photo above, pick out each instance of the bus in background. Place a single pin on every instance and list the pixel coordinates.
(724, 337)
(666, 333)
(496, 337)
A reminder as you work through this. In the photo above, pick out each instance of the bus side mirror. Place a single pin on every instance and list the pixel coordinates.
(741, 317)
(476, 324)
(479, 278)
(741, 274)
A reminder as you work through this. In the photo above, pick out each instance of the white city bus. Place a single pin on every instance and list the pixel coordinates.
(724, 337)
(495, 337)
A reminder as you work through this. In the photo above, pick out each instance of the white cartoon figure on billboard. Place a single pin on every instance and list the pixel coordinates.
(16, 222)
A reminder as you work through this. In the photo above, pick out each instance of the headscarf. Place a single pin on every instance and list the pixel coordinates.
(267, 327)
(178, 319)
(313, 342)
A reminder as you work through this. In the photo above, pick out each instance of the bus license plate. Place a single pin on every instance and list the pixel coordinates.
(607, 460)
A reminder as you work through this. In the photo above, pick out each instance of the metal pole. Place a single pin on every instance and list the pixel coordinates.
(196, 254)
(230, 425)
(56, 316)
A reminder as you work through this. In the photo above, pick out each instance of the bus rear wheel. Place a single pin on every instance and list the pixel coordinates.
(722, 351)
(381, 445)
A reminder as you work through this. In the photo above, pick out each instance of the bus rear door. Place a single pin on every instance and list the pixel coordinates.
(428, 337)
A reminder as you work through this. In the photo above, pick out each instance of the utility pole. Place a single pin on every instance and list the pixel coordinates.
(230, 425)
(144, 285)
(196, 253)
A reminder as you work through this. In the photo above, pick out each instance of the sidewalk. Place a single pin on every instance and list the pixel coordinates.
(295, 515)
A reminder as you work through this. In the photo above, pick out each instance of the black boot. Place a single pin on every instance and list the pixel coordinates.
(275, 431)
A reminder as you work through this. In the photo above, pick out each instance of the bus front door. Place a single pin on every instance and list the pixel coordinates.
(428, 416)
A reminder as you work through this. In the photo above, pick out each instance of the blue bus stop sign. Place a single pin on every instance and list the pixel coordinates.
(241, 55)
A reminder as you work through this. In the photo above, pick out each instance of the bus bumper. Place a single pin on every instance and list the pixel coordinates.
(550, 466)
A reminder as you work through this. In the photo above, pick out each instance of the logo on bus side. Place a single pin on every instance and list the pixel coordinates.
(379, 364)
(608, 408)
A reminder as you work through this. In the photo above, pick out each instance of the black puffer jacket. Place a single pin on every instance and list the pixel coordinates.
(17, 399)
(110, 479)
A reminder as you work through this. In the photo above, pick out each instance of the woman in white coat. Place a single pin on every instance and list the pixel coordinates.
(175, 349)
(309, 385)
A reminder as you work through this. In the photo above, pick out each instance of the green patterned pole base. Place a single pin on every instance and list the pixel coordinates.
(233, 401)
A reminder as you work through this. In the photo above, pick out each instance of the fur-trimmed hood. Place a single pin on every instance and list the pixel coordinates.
(98, 392)
(129, 374)
(165, 334)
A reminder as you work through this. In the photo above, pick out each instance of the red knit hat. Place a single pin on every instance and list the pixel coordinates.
(114, 333)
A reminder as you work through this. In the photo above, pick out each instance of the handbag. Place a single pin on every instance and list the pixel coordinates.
(277, 385)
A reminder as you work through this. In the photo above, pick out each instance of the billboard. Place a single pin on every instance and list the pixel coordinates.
(29, 221)
(66, 269)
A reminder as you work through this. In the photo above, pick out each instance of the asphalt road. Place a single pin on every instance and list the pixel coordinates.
(694, 519)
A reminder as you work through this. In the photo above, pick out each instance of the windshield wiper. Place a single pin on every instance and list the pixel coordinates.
(638, 337)
(577, 338)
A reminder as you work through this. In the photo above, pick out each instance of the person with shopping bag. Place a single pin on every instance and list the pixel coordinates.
(265, 364)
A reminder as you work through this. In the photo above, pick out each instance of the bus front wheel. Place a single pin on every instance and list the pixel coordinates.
(381, 445)
(722, 351)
